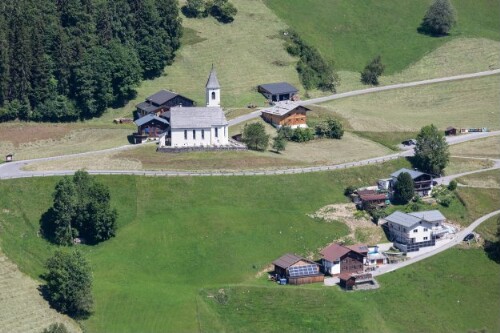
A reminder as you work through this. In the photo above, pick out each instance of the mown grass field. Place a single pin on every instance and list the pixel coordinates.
(177, 236)
(458, 165)
(483, 148)
(466, 103)
(351, 33)
(486, 179)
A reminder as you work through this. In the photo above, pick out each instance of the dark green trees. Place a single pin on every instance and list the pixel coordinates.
(431, 150)
(279, 142)
(82, 209)
(72, 59)
(222, 10)
(255, 137)
(331, 128)
(69, 284)
(404, 190)
(372, 71)
(439, 19)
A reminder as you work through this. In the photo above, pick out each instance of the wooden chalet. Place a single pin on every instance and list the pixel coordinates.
(422, 181)
(450, 131)
(338, 259)
(280, 91)
(289, 114)
(161, 102)
(150, 127)
(297, 270)
(371, 199)
(350, 281)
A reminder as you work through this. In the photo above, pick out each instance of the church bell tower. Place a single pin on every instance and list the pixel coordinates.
(213, 89)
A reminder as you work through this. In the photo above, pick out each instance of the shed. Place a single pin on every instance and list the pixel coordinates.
(350, 281)
(450, 131)
(297, 270)
(280, 91)
(9, 157)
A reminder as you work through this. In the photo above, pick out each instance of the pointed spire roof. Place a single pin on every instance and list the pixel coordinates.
(213, 82)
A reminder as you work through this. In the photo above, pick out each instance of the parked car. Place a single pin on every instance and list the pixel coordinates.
(409, 142)
(468, 237)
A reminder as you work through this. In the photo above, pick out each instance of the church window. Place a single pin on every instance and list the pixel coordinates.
(203, 134)
(216, 132)
(185, 134)
(213, 94)
(194, 134)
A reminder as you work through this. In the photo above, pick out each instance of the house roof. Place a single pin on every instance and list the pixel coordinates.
(150, 117)
(196, 117)
(213, 82)
(403, 219)
(161, 97)
(450, 128)
(429, 215)
(282, 108)
(279, 88)
(288, 260)
(371, 196)
(147, 107)
(413, 173)
(360, 248)
(334, 252)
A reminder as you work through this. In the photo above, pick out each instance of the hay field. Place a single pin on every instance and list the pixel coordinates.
(484, 148)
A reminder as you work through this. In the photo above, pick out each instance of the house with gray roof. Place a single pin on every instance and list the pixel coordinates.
(161, 102)
(411, 231)
(280, 91)
(422, 181)
(286, 113)
(150, 126)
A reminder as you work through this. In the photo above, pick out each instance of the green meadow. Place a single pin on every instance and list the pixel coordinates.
(180, 238)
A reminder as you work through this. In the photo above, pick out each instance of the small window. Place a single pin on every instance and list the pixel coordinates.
(203, 134)
(216, 132)
(415, 230)
(426, 238)
(194, 134)
(213, 95)
(185, 134)
(425, 229)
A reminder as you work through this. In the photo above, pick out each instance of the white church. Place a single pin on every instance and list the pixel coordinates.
(198, 126)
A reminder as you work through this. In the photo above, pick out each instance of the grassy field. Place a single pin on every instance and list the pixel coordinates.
(179, 235)
(487, 179)
(352, 33)
(22, 308)
(455, 291)
(466, 103)
(483, 148)
(460, 165)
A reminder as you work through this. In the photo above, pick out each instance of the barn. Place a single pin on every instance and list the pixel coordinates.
(161, 102)
(297, 270)
(280, 91)
(349, 281)
(286, 113)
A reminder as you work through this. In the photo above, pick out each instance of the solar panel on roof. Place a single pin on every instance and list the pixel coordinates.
(302, 270)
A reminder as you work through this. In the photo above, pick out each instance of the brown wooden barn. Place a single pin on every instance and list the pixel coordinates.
(161, 102)
(286, 114)
(370, 199)
(350, 281)
(297, 270)
(450, 131)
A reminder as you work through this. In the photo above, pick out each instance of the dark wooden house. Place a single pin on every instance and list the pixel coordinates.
(338, 259)
(286, 114)
(161, 102)
(450, 131)
(280, 91)
(297, 270)
(370, 199)
(422, 181)
(350, 281)
(150, 127)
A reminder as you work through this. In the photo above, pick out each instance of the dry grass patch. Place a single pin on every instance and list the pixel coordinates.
(465, 103)
(486, 179)
(22, 309)
(459, 165)
(484, 148)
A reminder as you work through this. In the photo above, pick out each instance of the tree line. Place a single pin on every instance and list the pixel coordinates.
(71, 59)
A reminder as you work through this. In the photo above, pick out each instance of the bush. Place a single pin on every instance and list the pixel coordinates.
(439, 19)
(349, 190)
(279, 143)
(330, 128)
(194, 8)
(56, 328)
(452, 186)
(302, 135)
(69, 284)
(222, 10)
(372, 71)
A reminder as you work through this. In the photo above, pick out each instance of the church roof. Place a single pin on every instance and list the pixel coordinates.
(213, 82)
(196, 117)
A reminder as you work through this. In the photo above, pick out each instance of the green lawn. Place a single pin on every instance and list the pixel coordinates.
(465, 103)
(352, 32)
(179, 235)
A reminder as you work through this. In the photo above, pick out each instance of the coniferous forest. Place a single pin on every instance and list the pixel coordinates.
(64, 60)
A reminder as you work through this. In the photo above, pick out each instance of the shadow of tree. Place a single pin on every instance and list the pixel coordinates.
(492, 250)
(47, 228)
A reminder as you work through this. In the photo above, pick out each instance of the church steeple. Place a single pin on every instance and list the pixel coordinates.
(213, 89)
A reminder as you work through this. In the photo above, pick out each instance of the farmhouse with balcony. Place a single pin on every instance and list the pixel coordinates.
(161, 102)
(276, 92)
(150, 127)
(287, 113)
(297, 270)
(422, 181)
(338, 259)
(411, 231)
(371, 199)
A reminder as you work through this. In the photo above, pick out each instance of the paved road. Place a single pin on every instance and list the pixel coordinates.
(456, 240)
(13, 169)
(256, 114)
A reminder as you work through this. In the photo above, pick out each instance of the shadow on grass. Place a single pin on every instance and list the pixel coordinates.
(47, 227)
(492, 250)
(45, 293)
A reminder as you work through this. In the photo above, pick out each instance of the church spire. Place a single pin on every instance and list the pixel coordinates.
(213, 89)
(213, 82)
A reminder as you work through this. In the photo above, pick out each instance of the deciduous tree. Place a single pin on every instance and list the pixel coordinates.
(431, 150)
(279, 143)
(404, 190)
(372, 71)
(439, 19)
(255, 137)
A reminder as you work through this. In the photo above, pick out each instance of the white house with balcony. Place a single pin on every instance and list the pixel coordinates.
(411, 231)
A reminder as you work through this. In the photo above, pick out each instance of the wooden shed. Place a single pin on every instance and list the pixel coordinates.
(350, 281)
(450, 131)
(9, 157)
(297, 270)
